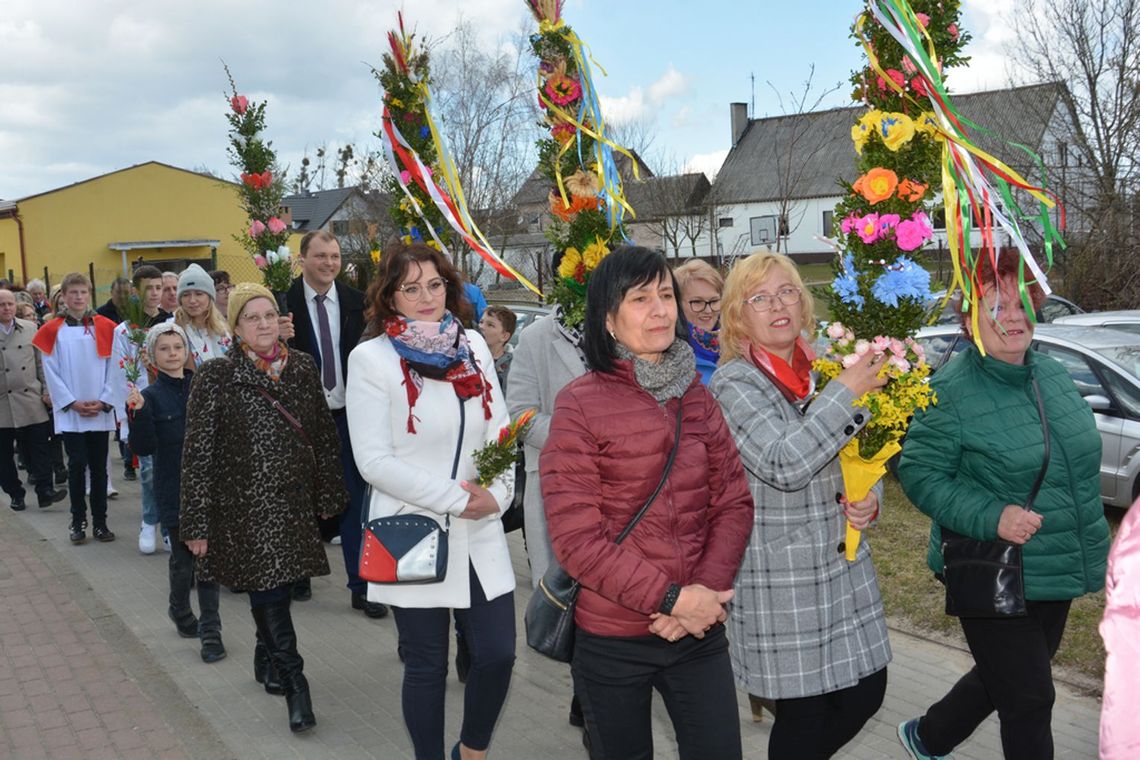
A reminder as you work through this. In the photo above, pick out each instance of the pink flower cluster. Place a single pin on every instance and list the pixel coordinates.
(909, 234)
(895, 349)
(274, 225)
(239, 104)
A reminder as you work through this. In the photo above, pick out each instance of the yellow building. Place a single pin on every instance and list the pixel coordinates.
(158, 213)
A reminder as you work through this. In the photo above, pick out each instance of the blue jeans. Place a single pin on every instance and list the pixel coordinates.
(489, 628)
(149, 500)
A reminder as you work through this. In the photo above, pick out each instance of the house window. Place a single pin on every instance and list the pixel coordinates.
(340, 227)
(724, 221)
(938, 218)
(764, 229)
(828, 223)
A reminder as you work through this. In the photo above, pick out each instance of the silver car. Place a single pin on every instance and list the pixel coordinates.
(1105, 366)
(1127, 320)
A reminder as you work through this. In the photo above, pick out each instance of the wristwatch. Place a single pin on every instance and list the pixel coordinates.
(671, 594)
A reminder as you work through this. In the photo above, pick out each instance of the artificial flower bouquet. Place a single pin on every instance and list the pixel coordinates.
(495, 459)
(135, 317)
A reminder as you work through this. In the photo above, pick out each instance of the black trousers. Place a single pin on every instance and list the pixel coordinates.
(349, 522)
(817, 727)
(181, 572)
(614, 677)
(1012, 674)
(87, 451)
(33, 442)
(425, 634)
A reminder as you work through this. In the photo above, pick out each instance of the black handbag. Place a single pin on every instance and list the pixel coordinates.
(514, 518)
(984, 579)
(549, 615)
(403, 549)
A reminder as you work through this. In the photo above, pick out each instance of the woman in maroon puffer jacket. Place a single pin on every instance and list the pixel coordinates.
(650, 611)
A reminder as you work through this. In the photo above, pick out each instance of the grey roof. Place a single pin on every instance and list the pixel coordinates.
(675, 195)
(537, 187)
(758, 166)
(312, 211)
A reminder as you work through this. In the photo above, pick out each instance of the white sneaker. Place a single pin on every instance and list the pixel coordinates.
(166, 544)
(335, 541)
(146, 539)
(112, 493)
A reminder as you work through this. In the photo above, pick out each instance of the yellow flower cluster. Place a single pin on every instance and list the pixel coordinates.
(894, 129)
(891, 407)
(586, 261)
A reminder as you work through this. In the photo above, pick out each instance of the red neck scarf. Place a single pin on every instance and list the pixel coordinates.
(794, 379)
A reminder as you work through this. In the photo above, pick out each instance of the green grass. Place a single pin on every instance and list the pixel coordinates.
(912, 596)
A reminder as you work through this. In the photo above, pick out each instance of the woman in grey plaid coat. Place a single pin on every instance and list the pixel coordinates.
(806, 627)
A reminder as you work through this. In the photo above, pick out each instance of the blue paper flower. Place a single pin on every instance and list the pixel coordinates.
(425, 132)
(902, 279)
(845, 285)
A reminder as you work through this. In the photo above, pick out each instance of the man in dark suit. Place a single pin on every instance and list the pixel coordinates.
(328, 317)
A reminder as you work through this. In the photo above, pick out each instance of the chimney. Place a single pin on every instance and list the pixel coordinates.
(739, 114)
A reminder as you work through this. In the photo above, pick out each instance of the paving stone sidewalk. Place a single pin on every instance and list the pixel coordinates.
(90, 667)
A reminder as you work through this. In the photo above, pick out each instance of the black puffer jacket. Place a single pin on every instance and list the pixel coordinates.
(158, 429)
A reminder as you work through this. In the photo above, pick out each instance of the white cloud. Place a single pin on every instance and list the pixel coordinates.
(709, 163)
(642, 102)
(990, 66)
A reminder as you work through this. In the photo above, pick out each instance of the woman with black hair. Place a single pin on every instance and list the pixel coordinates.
(651, 610)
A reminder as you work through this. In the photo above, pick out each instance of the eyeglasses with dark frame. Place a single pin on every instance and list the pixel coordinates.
(697, 305)
(415, 291)
(762, 302)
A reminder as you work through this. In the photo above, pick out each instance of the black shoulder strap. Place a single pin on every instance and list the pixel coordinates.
(664, 476)
(1045, 432)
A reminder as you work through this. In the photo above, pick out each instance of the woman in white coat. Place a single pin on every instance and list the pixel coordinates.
(422, 397)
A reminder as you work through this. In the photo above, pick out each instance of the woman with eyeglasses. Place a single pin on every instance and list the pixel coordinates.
(701, 286)
(422, 397)
(806, 627)
(260, 464)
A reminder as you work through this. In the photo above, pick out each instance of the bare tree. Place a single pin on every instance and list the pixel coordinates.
(671, 207)
(1095, 51)
(797, 144)
(485, 100)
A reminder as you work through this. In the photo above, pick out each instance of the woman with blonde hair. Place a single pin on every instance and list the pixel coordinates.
(199, 317)
(701, 287)
(806, 626)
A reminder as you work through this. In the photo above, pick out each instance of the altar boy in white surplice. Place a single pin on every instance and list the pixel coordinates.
(76, 348)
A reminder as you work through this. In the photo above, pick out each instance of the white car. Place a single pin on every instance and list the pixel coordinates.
(1105, 366)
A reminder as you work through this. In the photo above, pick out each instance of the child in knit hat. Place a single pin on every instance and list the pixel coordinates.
(158, 428)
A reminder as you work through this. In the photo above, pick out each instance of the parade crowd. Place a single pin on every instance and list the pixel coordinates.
(262, 425)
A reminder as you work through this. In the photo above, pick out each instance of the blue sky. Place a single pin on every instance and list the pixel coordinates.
(93, 87)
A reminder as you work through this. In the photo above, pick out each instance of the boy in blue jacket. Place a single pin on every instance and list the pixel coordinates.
(158, 428)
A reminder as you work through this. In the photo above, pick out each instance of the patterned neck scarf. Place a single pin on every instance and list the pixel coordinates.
(273, 364)
(438, 351)
(705, 344)
(793, 380)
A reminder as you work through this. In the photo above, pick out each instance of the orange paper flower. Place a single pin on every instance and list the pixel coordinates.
(911, 191)
(578, 203)
(877, 185)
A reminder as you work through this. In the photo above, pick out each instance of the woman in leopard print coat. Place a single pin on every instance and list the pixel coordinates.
(253, 484)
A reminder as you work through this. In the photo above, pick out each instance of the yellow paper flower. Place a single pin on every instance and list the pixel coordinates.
(375, 255)
(593, 255)
(583, 184)
(927, 123)
(861, 131)
(571, 260)
(896, 129)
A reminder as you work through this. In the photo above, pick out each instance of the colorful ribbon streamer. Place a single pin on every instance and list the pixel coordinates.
(966, 169)
(408, 167)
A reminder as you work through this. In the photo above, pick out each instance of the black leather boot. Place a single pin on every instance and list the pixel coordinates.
(263, 670)
(275, 623)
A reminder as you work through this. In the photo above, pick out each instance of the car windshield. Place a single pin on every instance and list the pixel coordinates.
(1127, 357)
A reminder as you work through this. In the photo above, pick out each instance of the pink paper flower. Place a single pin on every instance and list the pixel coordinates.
(896, 77)
(908, 65)
(881, 344)
(923, 19)
(239, 104)
(256, 228)
(275, 225)
(850, 224)
(849, 360)
(260, 261)
(405, 177)
(918, 85)
(952, 30)
(887, 222)
(835, 330)
(897, 361)
(868, 229)
(913, 233)
(898, 348)
(862, 347)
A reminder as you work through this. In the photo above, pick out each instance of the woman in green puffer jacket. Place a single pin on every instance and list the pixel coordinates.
(969, 463)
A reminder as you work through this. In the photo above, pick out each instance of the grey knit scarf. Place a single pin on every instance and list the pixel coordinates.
(665, 379)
